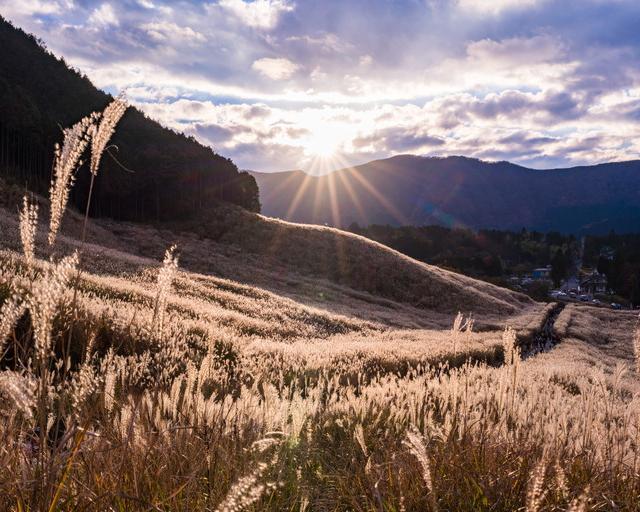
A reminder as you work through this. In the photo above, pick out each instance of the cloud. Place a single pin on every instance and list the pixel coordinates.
(398, 140)
(267, 82)
(495, 7)
(366, 60)
(325, 42)
(260, 14)
(276, 69)
(167, 31)
(25, 8)
(214, 133)
(104, 16)
(516, 50)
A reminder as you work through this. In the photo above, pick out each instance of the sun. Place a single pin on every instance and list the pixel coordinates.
(322, 144)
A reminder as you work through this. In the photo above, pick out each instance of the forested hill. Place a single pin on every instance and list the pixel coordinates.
(159, 174)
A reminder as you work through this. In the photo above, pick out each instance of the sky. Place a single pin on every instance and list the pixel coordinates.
(317, 85)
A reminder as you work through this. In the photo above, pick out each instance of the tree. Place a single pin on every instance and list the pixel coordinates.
(539, 290)
(635, 290)
(559, 267)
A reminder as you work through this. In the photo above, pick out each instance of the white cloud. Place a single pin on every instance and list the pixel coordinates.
(104, 16)
(262, 14)
(366, 60)
(495, 7)
(276, 69)
(271, 138)
(15, 10)
(325, 42)
(517, 50)
(168, 31)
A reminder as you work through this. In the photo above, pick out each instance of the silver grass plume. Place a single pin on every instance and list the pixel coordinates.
(580, 503)
(417, 448)
(67, 160)
(456, 329)
(43, 300)
(28, 228)
(469, 325)
(561, 479)
(19, 390)
(535, 491)
(510, 347)
(11, 311)
(110, 118)
(247, 490)
(165, 280)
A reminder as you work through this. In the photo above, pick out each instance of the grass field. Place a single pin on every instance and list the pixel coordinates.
(272, 366)
(299, 391)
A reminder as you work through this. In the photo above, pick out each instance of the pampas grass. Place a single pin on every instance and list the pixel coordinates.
(28, 229)
(166, 276)
(415, 443)
(102, 135)
(510, 347)
(580, 503)
(67, 160)
(18, 392)
(10, 312)
(44, 296)
(99, 140)
(535, 490)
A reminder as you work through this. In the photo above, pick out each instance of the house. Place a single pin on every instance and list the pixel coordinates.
(572, 284)
(593, 282)
(542, 273)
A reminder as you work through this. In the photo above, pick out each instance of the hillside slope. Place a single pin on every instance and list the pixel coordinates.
(321, 266)
(159, 174)
(459, 191)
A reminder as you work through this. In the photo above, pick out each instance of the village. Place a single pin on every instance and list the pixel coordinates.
(584, 284)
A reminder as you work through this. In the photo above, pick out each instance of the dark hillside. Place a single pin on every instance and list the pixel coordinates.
(161, 174)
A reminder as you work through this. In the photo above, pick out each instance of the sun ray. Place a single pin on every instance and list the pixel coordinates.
(333, 200)
(352, 195)
(317, 200)
(298, 197)
(283, 185)
(386, 204)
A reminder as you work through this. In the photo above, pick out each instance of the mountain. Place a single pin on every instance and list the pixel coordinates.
(159, 174)
(460, 191)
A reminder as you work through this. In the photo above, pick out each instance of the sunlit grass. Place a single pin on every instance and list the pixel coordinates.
(138, 385)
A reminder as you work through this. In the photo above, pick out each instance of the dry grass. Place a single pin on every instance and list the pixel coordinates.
(137, 385)
(239, 364)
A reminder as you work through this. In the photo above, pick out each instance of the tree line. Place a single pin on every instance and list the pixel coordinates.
(483, 253)
(618, 257)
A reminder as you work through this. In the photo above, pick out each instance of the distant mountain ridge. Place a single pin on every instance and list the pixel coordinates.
(460, 191)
